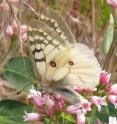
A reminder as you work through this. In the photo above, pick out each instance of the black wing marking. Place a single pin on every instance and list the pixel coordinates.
(55, 21)
(44, 44)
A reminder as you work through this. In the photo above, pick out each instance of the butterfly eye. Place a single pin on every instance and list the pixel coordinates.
(71, 63)
(52, 63)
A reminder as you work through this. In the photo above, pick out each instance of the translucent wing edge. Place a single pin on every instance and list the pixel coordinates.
(55, 16)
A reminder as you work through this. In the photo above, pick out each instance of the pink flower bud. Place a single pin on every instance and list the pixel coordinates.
(105, 78)
(76, 109)
(98, 122)
(31, 116)
(47, 100)
(37, 101)
(113, 89)
(73, 109)
(108, 86)
(36, 97)
(113, 99)
(14, 25)
(23, 29)
(59, 102)
(86, 106)
(78, 89)
(113, 3)
(49, 110)
(49, 103)
(4, 6)
(9, 31)
(98, 101)
(80, 119)
(24, 37)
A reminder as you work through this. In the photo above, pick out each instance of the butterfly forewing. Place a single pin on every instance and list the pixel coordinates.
(44, 44)
(54, 20)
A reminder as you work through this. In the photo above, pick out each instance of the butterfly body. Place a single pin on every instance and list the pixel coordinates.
(61, 62)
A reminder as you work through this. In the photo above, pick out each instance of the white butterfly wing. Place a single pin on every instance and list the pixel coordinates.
(44, 44)
(86, 69)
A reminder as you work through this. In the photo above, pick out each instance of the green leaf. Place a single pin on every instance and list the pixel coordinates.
(68, 117)
(11, 112)
(5, 120)
(108, 36)
(19, 72)
(112, 110)
(103, 115)
(91, 120)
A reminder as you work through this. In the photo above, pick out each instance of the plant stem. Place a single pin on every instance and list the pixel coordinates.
(93, 25)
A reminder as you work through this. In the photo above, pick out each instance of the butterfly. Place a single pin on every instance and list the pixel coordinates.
(61, 63)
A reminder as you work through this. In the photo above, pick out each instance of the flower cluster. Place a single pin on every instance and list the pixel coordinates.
(13, 26)
(113, 3)
(49, 104)
(12, 29)
(4, 5)
(105, 93)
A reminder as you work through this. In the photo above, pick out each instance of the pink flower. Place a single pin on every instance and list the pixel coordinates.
(113, 99)
(36, 97)
(38, 101)
(23, 29)
(80, 112)
(4, 6)
(31, 116)
(23, 33)
(49, 103)
(24, 37)
(113, 89)
(98, 122)
(80, 118)
(59, 102)
(113, 3)
(73, 109)
(14, 25)
(86, 106)
(108, 87)
(78, 89)
(9, 31)
(98, 101)
(105, 78)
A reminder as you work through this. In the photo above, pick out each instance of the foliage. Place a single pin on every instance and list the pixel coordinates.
(108, 36)
(11, 112)
(19, 72)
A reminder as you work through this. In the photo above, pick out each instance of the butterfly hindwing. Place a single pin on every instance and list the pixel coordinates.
(86, 70)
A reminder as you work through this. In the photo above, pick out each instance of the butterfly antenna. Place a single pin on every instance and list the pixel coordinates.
(27, 5)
